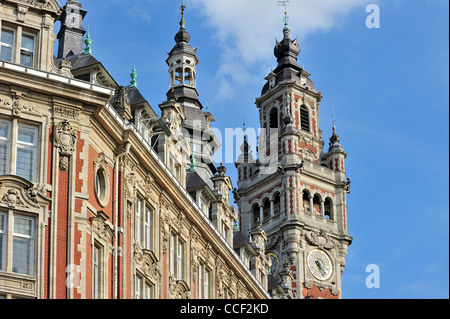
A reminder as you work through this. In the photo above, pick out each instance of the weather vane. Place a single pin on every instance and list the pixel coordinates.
(285, 4)
(182, 7)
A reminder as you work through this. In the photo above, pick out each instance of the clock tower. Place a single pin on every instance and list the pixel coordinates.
(296, 190)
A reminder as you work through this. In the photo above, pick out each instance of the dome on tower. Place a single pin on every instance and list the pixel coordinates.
(287, 47)
(182, 35)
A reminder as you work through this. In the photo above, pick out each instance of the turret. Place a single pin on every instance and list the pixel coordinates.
(72, 31)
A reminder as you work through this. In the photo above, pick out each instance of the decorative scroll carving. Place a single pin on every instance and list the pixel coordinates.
(12, 199)
(101, 226)
(321, 240)
(147, 262)
(178, 289)
(65, 139)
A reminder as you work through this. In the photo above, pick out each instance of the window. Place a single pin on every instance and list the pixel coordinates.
(176, 257)
(328, 209)
(144, 224)
(27, 50)
(25, 145)
(143, 290)
(304, 118)
(21, 236)
(23, 245)
(2, 240)
(273, 122)
(96, 272)
(27, 46)
(204, 282)
(26, 152)
(6, 45)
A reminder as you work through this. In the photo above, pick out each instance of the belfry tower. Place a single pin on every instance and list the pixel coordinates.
(296, 190)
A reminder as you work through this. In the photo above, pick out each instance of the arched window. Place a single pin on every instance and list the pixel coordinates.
(276, 204)
(304, 118)
(255, 210)
(266, 209)
(273, 118)
(306, 206)
(316, 205)
(328, 206)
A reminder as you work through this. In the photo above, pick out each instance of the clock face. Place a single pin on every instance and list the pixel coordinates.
(275, 264)
(319, 264)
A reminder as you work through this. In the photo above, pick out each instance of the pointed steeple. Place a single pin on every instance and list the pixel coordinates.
(133, 75)
(335, 139)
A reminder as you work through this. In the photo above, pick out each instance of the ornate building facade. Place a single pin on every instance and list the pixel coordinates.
(101, 197)
(295, 192)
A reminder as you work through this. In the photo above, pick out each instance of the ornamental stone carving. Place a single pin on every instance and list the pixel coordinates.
(65, 139)
(321, 240)
(178, 289)
(12, 199)
(147, 262)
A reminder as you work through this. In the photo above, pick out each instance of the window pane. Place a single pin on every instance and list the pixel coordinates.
(28, 42)
(22, 226)
(7, 36)
(148, 228)
(22, 256)
(2, 241)
(25, 162)
(6, 53)
(26, 59)
(27, 135)
(138, 287)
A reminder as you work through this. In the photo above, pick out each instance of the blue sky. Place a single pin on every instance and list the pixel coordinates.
(388, 88)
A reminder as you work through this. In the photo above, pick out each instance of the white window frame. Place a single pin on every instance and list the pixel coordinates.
(13, 143)
(4, 235)
(143, 289)
(204, 280)
(144, 224)
(148, 227)
(27, 51)
(28, 145)
(97, 271)
(177, 256)
(29, 237)
(3, 44)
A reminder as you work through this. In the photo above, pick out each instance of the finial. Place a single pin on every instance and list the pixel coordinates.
(192, 168)
(243, 116)
(285, 4)
(133, 82)
(183, 21)
(88, 42)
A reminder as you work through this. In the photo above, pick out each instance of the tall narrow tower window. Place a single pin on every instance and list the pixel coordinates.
(304, 118)
(273, 122)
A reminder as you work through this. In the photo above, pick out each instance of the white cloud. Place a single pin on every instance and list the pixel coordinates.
(250, 26)
(248, 29)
